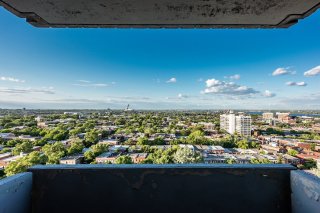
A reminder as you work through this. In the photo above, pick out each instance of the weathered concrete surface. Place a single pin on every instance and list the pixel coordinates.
(305, 192)
(162, 13)
(15, 193)
(162, 188)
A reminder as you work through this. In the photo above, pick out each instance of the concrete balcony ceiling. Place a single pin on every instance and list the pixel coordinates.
(162, 13)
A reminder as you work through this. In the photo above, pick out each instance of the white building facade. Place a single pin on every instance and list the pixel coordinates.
(243, 125)
(240, 124)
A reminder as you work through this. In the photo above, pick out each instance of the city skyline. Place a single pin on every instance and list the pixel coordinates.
(159, 69)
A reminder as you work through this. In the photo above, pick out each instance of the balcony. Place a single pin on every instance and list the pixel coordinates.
(161, 188)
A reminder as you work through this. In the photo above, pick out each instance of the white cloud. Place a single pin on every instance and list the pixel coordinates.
(234, 77)
(85, 83)
(213, 82)
(313, 72)
(311, 101)
(269, 94)
(180, 96)
(99, 85)
(214, 86)
(44, 90)
(283, 71)
(172, 80)
(300, 84)
(11, 79)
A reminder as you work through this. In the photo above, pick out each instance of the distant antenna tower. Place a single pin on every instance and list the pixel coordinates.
(128, 108)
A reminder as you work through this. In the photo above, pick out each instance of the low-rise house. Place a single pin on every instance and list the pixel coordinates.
(218, 158)
(5, 155)
(67, 142)
(188, 146)
(290, 159)
(201, 148)
(85, 150)
(81, 135)
(119, 148)
(36, 148)
(212, 158)
(5, 161)
(107, 157)
(72, 160)
(138, 157)
(231, 151)
(316, 127)
(246, 151)
(109, 142)
(163, 147)
(309, 156)
(270, 158)
(304, 146)
(244, 159)
(44, 124)
(272, 150)
(215, 149)
(28, 137)
(70, 113)
(7, 136)
(17, 128)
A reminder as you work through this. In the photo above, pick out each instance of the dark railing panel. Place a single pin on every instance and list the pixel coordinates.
(15, 193)
(166, 188)
(305, 192)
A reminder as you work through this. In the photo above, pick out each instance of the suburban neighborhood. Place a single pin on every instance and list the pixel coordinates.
(31, 137)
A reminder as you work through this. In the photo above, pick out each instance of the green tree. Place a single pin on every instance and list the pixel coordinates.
(91, 138)
(143, 141)
(243, 144)
(254, 161)
(89, 156)
(231, 161)
(123, 159)
(14, 142)
(54, 152)
(23, 163)
(94, 151)
(159, 141)
(24, 147)
(308, 164)
(293, 152)
(186, 155)
(5, 150)
(197, 137)
(76, 147)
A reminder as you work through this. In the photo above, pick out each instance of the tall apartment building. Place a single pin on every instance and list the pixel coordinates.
(267, 116)
(228, 122)
(243, 125)
(240, 124)
(283, 117)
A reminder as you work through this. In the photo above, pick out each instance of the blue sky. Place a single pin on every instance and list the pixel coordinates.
(159, 69)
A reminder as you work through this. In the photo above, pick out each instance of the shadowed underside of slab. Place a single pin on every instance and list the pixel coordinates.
(162, 13)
